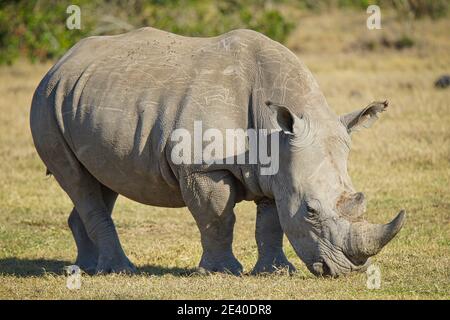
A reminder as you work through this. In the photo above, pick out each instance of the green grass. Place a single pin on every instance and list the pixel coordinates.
(402, 162)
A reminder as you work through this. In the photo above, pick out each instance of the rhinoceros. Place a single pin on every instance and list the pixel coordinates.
(102, 119)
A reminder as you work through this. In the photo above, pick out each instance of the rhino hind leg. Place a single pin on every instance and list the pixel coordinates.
(211, 198)
(269, 238)
(84, 191)
(86, 194)
(94, 213)
(87, 257)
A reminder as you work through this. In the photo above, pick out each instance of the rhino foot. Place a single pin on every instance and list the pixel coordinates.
(277, 264)
(228, 265)
(88, 265)
(115, 265)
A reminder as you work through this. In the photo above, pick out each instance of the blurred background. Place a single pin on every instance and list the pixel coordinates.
(403, 161)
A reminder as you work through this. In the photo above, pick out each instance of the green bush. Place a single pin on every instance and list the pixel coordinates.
(37, 28)
(34, 30)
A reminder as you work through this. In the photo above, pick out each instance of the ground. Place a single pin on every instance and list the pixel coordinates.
(401, 162)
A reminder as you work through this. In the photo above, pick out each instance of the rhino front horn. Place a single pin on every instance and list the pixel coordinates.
(368, 239)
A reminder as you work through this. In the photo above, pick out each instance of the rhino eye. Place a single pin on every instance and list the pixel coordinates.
(311, 209)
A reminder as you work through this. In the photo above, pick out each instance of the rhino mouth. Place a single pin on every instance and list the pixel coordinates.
(326, 268)
(335, 262)
(358, 262)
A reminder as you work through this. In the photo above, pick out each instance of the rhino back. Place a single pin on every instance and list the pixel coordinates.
(118, 98)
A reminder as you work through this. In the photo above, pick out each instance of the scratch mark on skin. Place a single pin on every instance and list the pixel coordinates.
(230, 70)
(316, 171)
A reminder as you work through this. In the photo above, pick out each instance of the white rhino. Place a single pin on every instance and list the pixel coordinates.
(102, 119)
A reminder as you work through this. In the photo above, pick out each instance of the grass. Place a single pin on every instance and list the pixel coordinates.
(403, 161)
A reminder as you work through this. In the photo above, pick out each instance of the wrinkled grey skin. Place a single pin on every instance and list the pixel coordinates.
(101, 121)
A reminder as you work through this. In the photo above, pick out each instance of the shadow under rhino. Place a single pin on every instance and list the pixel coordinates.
(40, 267)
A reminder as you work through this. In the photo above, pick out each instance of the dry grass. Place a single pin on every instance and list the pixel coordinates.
(403, 161)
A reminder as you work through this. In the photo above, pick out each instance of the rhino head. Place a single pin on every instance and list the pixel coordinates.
(319, 210)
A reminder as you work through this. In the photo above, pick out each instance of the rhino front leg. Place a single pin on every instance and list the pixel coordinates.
(211, 198)
(269, 238)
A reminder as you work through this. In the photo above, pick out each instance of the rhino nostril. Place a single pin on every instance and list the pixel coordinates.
(359, 196)
(326, 270)
(321, 269)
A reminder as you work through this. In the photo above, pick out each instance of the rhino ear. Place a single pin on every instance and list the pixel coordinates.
(286, 120)
(365, 117)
